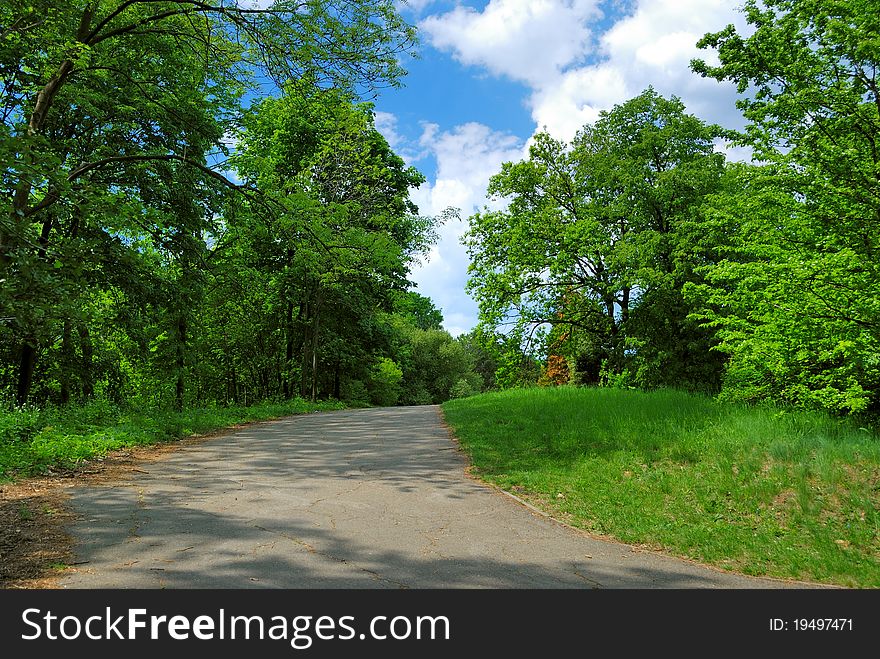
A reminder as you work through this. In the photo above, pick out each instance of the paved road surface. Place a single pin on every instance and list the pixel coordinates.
(373, 498)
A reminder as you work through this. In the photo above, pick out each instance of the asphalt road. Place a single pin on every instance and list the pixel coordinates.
(373, 498)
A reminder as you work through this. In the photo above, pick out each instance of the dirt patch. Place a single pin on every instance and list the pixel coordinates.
(35, 548)
(33, 542)
(783, 501)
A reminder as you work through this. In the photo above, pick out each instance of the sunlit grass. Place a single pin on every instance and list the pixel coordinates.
(759, 491)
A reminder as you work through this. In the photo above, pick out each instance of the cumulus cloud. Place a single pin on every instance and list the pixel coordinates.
(573, 72)
(653, 45)
(467, 156)
(526, 40)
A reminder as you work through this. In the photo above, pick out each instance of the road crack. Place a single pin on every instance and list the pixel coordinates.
(337, 559)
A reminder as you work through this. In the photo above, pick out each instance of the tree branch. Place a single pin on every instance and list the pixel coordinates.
(53, 196)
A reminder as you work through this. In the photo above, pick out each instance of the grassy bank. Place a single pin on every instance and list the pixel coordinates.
(759, 491)
(33, 441)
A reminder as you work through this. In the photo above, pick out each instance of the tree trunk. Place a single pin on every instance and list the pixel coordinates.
(66, 363)
(337, 380)
(180, 387)
(314, 395)
(315, 330)
(306, 312)
(21, 199)
(26, 363)
(288, 361)
(28, 352)
(88, 382)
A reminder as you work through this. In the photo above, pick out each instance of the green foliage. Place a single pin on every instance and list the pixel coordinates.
(117, 118)
(418, 310)
(136, 268)
(756, 490)
(22, 426)
(594, 244)
(385, 379)
(335, 247)
(516, 368)
(433, 364)
(355, 393)
(483, 354)
(465, 387)
(795, 296)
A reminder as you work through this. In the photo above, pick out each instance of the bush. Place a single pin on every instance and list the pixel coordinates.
(20, 425)
(385, 378)
(463, 389)
(355, 393)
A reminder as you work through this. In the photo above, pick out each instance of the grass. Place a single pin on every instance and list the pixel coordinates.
(756, 490)
(36, 441)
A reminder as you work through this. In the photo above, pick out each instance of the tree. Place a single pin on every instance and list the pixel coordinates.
(435, 367)
(591, 239)
(341, 228)
(418, 309)
(482, 349)
(797, 298)
(103, 96)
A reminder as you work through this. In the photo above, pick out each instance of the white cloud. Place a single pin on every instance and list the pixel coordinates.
(254, 4)
(386, 123)
(546, 44)
(414, 6)
(467, 156)
(572, 74)
(526, 40)
(576, 99)
(653, 46)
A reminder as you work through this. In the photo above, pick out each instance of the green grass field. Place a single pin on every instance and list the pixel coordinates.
(34, 441)
(759, 491)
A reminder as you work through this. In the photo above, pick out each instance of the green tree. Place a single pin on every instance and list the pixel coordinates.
(340, 234)
(385, 379)
(101, 96)
(797, 298)
(436, 368)
(481, 348)
(592, 240)
(418, 309)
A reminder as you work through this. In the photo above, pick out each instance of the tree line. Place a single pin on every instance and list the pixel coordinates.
(197, 208)
(636, 255)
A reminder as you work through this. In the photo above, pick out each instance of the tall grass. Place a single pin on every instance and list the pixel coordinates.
(760, 491)
(35, 441)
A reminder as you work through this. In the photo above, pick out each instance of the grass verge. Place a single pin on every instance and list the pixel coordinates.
(758, 491)
(38, 441)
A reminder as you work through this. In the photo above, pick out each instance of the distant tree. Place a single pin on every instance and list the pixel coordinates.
(436, 365)
(592, 240)
(419, 309)
(482, 349)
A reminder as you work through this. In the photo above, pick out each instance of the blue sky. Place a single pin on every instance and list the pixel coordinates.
(491, 74)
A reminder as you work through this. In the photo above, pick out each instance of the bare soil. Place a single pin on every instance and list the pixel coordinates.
(35, 548)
